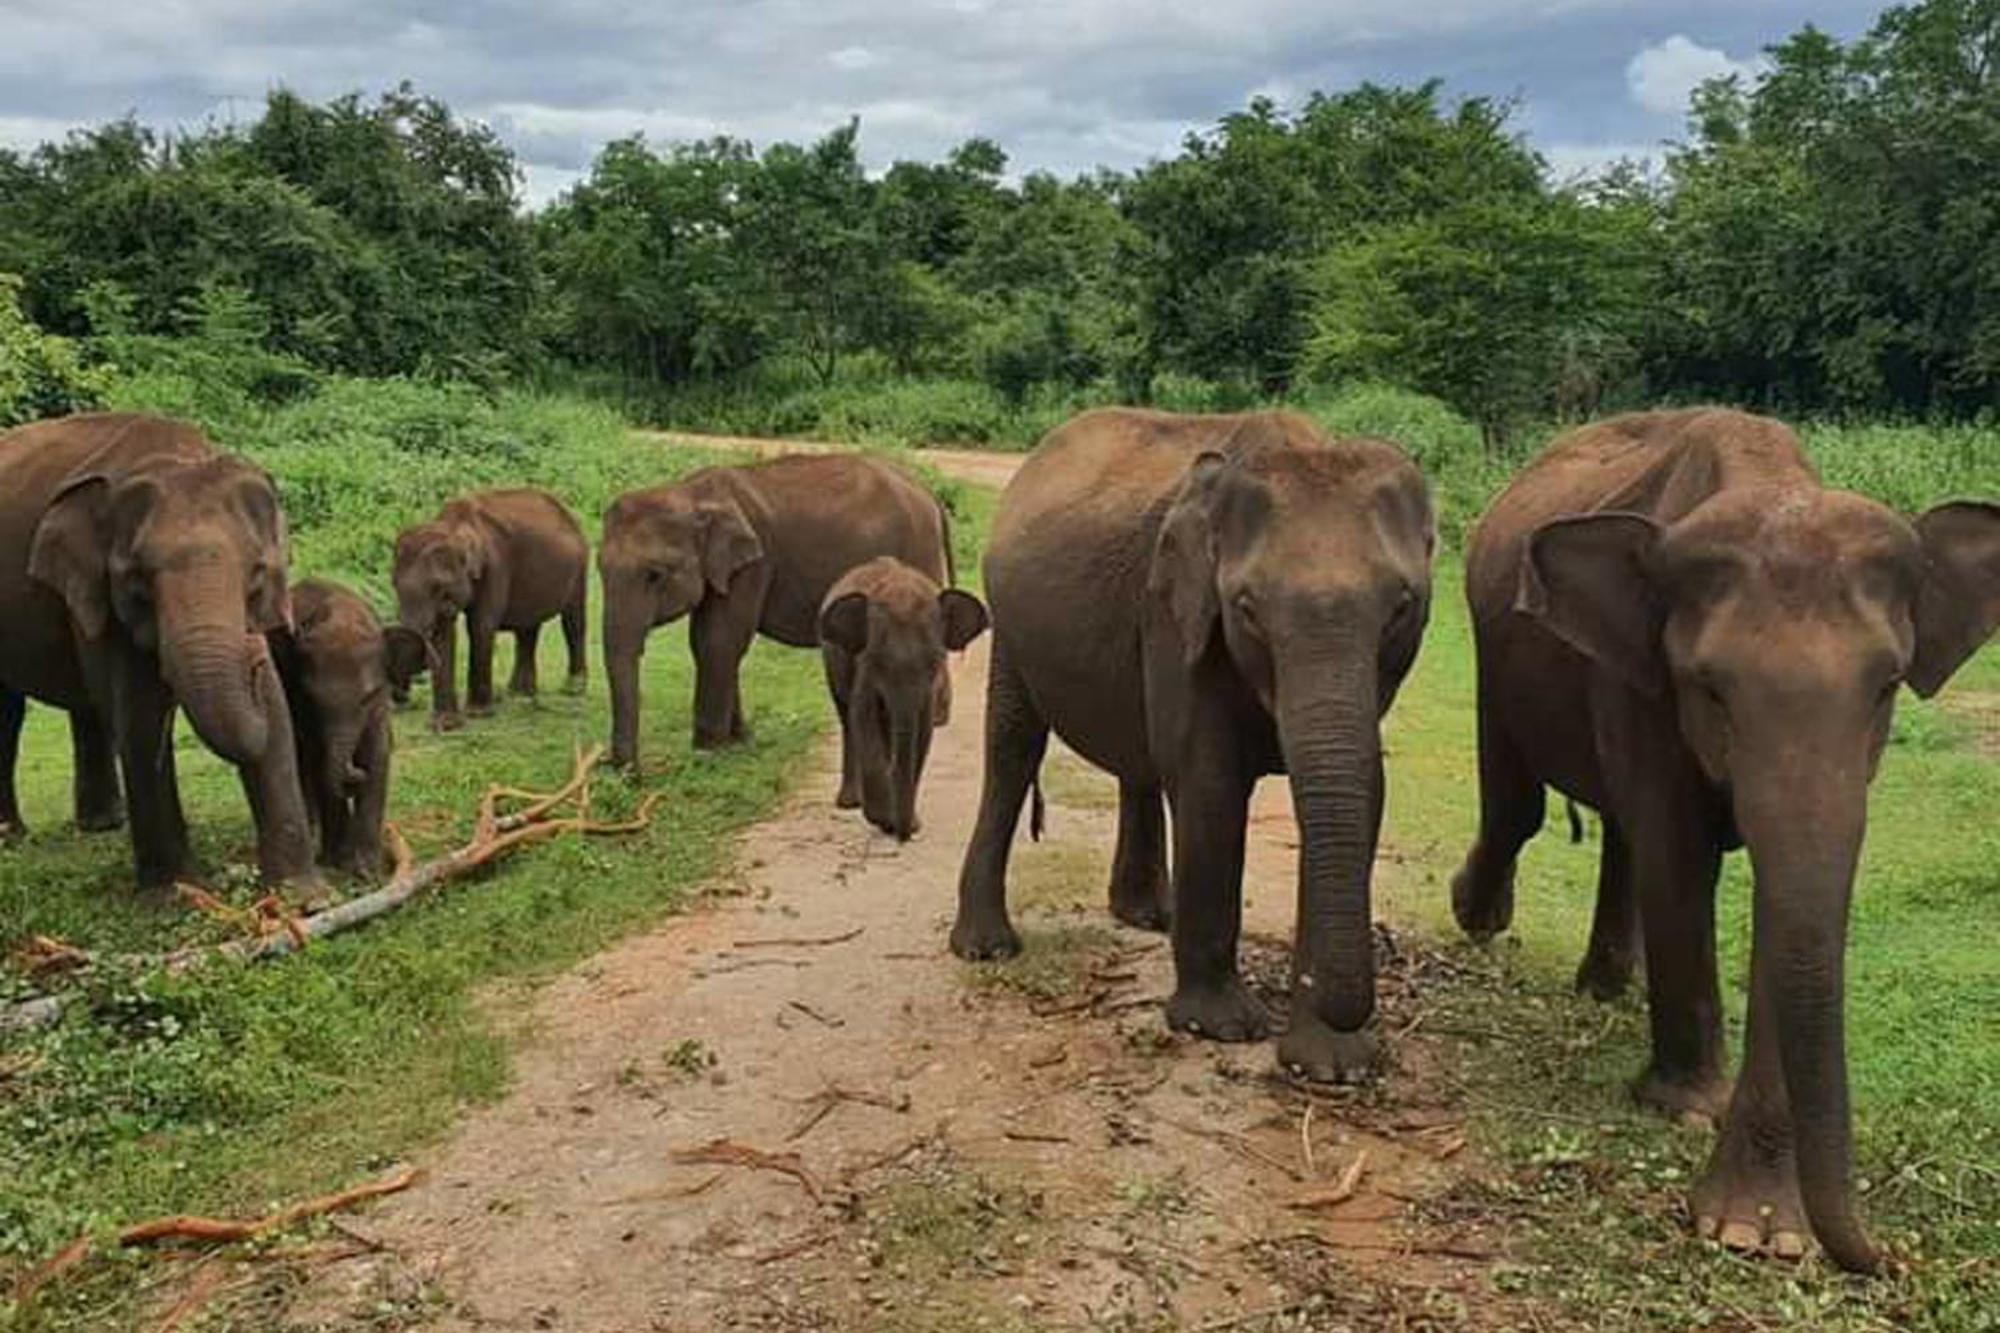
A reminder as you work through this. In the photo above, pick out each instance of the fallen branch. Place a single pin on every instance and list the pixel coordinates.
(1032, 1136)
(794, 942)
(724, 1152)
(827, 1098)
(661, 1196)
(1236, 1143)
(218, 1230)
(68, 1257)
(207, 1281)
(1343, 1189)
(273, 932)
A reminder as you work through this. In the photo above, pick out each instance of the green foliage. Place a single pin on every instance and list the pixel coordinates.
(40, 375)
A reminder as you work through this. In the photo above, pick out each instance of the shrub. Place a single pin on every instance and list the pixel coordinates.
(40, 375)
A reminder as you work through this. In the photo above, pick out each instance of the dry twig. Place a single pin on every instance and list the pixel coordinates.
(796, 942)
(210, 1229)
(1343, 1189)
(725, 1152)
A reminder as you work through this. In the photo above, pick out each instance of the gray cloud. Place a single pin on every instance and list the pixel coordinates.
(1064, 85)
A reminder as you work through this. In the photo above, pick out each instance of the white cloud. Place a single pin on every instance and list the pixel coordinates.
(852, 57)
(1664, 75)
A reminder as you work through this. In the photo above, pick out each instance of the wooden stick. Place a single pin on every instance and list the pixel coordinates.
(799, 943)
(725, 1152)
(210, 1229)
(1343, 1189)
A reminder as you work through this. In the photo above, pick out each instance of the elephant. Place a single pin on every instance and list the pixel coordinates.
(336, 662)
(140, 570)
(747, 550)
(1191, 602)
(884, 631)
(1678, 625)
(505, 560)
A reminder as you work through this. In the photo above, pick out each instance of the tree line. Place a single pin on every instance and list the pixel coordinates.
(1822, 241)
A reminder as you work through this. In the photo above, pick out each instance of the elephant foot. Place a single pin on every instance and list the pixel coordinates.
(453, 721)
(847, 798)
(1222, 1010)
(1604, 976)
(1697, 1102)
(1748, 1200)
(982, 938)
(1314, 1050)
(307, 893)
(480, 709)
(722, 741)
(1150, 914)
(577, 683)
(100, 821)
(1483, 908)
(521, 691)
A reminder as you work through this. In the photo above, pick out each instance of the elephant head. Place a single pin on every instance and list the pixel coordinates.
(1777, 625)
(437, 566)
(897, 627)
(1298, 576)
(663, 553)
(343, 662)
(188, 560)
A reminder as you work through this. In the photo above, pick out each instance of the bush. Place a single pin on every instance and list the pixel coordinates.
(40, 375)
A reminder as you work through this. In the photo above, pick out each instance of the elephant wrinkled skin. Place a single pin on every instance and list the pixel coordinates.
(1192, 602)
(505, 560)
(1678, 625)
(140, 571)
(884, 632)
(337, 662)
(746, 551)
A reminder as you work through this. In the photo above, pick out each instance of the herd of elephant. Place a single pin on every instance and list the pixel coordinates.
(1675, 624)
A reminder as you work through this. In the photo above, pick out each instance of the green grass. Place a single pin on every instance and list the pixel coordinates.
(239, 1086)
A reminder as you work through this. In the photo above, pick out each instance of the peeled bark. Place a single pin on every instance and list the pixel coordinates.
(1327, 726)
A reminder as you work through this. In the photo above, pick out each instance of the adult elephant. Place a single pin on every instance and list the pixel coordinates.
(748, 550)
(140, 570)
(1679, 625)
(1191, 602)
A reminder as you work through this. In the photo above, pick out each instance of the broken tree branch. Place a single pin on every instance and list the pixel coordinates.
(726, 1152)
(218, 1230)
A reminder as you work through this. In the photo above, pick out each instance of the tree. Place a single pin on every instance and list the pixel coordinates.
(40, 375)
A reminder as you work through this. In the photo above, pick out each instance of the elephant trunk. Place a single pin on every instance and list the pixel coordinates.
(1804, 837)
(219, 671)
(907, 741)
(343, 742)
(624, 646)
(1326, 714)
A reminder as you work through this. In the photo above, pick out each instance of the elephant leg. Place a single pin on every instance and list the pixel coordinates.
(13, 713)
(1510, 813)
(719, 636)
(1675, 863)
(480, 635)
(100, 805)
(1017, 736)
(1139, 888)
(1614, 930)
(576, 637)
(524, 681)
(444, 679)
(1748, 1198)
(840, 684)
(941, 696)
(1211, 815)
(360, 852)
(152, 785)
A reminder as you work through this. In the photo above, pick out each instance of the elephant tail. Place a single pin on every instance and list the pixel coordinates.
(1575, 820)
(944, 530)
(1038, 810)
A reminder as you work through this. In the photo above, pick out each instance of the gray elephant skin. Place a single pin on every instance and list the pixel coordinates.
(745, 551)
(1679, 626)
(1190, 602)
(140, 570)
(885, 632)
(505, 560)
(336, 661)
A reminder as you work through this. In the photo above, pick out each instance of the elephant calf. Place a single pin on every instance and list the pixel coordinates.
(1191, 602)
(505, 560)
(747, 551)
(1678, 625)
(337, 661)
(884, 631)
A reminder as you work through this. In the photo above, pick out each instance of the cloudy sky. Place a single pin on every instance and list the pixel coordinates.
(1064, 85)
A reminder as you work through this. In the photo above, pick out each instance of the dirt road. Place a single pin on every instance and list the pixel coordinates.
(793, 1109)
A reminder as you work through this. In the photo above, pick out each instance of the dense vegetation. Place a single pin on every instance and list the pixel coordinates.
(1821, 242)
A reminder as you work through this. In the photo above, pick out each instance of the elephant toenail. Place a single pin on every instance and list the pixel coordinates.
(1788, 1245)
(1741, 1236)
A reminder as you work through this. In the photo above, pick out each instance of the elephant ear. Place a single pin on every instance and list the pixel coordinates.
(965, 617)
(68, 552)
(1585, 580)
(1958, 602)
(728, 542)
(406, 655)
(1184, 563)
(843, 622)
(272, 595)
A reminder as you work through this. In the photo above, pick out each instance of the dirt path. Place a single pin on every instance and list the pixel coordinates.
(1009, 1146)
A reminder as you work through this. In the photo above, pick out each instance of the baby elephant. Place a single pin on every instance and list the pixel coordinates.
(336, 663)
(505, 560)
(884, 631)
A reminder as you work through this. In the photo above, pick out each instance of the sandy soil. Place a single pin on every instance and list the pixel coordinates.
(793, 1109)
